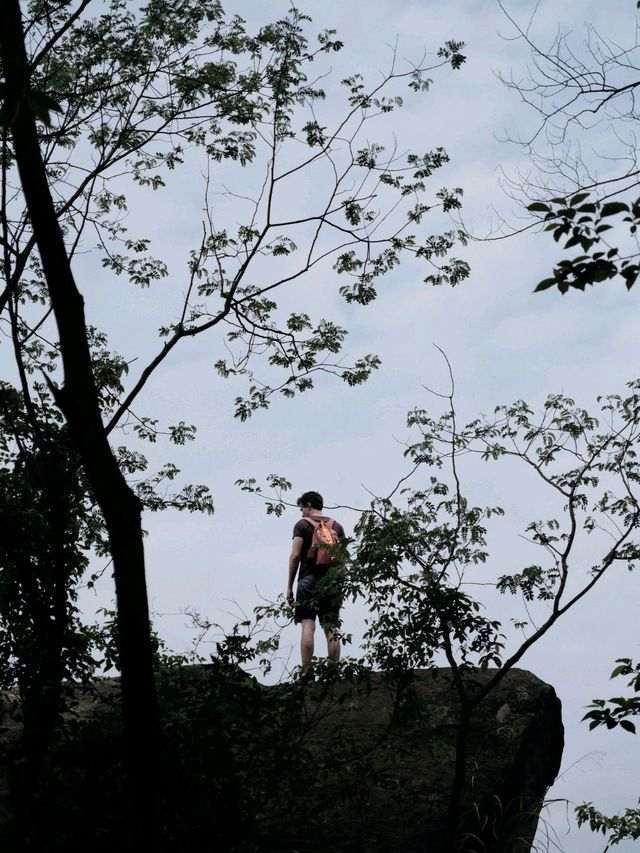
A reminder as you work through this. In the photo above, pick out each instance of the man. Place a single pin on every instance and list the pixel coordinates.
(318, 592)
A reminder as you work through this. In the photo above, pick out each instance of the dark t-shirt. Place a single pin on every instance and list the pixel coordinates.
(303, 529)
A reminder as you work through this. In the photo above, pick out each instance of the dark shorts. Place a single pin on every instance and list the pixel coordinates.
(321, 597)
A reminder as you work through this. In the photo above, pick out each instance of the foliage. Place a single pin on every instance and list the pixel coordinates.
(51, 527)
(233, 755)
(413, 550)
(620, 708)
(584, 221)
(580, 88)
(133, 96)
(108, 109)
(418, 553)
(47, 530)
(612, 713)
(153, 92)
(573, 89)
(414, 562)
(413, 559)
(576, 91)
(619, 828)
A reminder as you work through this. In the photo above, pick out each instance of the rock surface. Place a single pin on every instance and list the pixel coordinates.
(352, 766)
(401, 804)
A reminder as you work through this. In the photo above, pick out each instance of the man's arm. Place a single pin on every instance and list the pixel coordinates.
(294, 562)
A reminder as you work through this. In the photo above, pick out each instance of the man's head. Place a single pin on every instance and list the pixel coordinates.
(310, 499)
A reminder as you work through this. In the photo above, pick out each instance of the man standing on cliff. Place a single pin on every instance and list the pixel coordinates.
(317, 593)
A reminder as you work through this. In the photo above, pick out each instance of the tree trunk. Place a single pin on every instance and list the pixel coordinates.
(79, 402)
(453, 841)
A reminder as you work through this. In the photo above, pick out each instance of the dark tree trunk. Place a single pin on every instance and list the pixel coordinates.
(459, 778)
(79, 402)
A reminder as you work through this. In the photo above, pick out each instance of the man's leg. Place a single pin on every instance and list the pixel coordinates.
(329, 614)
(306, 641)
(330, 620)
(333, 645)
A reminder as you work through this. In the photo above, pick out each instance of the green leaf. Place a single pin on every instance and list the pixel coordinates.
(603, 274)
(578, 198)
(538, 207)
(619, 670)
(630, 275)
(628, 726)
(545, 284)
(613, 207)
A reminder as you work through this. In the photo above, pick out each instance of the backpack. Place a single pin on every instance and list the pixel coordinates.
(323, 536)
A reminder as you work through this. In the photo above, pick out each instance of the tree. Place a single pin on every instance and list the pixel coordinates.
(583, 96)
(419, 553)
(615, 712)
(142, 93)
(580, 88)
(589, 203)
(42, 559)
(50, 524)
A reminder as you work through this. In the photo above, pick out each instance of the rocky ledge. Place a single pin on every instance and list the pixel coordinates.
(357, 765)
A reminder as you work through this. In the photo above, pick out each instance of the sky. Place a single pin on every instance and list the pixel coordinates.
(503, 342)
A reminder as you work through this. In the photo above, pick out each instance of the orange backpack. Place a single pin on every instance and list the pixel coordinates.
(323, 537)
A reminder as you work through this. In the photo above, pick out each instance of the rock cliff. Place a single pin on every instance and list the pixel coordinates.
(401, 802)
(354, 765)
